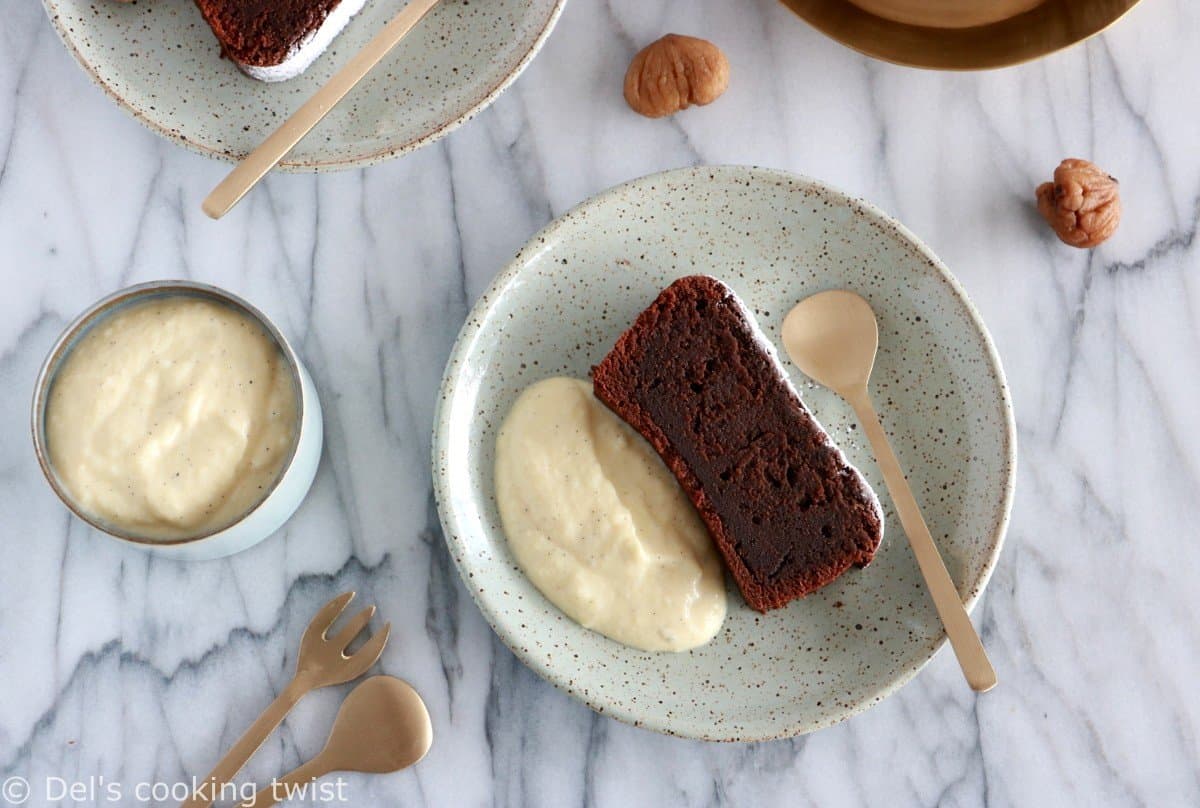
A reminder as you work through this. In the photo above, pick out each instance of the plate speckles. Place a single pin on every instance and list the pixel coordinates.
(775, 238)
(161, 63)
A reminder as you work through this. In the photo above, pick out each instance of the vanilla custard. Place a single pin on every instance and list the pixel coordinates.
(172, 417)
(599, 524)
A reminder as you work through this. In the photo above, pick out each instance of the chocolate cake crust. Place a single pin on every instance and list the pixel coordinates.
(263, 32)
(785, 509)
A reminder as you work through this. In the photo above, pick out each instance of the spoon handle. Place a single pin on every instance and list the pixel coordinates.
(972, 658)
(252, 169)
(297, 784)
(246, 746)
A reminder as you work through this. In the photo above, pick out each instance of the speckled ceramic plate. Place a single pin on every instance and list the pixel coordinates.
(775, 238)
(158, 59)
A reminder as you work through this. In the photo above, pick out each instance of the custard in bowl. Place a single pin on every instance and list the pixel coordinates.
(174, 416)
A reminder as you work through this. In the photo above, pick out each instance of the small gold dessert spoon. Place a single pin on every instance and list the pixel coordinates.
(382, 727)
(833, 337)
(323, 661)
(267, 154)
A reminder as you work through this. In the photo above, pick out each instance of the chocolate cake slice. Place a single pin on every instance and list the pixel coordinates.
(273, 40)
(697, 379)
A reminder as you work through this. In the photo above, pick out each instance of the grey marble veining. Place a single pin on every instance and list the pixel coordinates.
(116, 665)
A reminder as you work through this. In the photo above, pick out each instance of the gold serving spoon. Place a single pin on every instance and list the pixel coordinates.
(323, 661)
(382, 727)
(254, 167)
(833, 336)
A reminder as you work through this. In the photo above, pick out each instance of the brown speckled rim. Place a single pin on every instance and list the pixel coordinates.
(101, 310)
(1050, 27)
(334, 164)
(511, 274)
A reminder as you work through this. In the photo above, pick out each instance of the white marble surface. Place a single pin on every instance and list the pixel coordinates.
(115, 665)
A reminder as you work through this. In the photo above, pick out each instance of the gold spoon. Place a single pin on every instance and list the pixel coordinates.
(382, 727)
(254, 167)
(833, 336)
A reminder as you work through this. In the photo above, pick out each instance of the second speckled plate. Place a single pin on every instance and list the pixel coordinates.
(775, 238)
(160, 61)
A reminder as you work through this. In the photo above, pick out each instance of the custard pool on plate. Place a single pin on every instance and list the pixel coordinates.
(599, 524)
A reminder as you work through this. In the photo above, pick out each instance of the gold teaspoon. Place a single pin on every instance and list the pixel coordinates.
(267, 155)
(833, 337)
(382, 727)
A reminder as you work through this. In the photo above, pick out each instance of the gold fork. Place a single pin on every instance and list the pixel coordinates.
(323, 661)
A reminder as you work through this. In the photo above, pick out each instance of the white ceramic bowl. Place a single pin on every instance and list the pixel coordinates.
(289, 488)
(775, 238)
(160, 61)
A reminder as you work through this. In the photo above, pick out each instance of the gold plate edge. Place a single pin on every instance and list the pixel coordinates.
(1011, 42)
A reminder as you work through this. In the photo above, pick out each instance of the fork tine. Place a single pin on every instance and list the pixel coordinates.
(353, 626)
(323, 620)
(366, 656)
